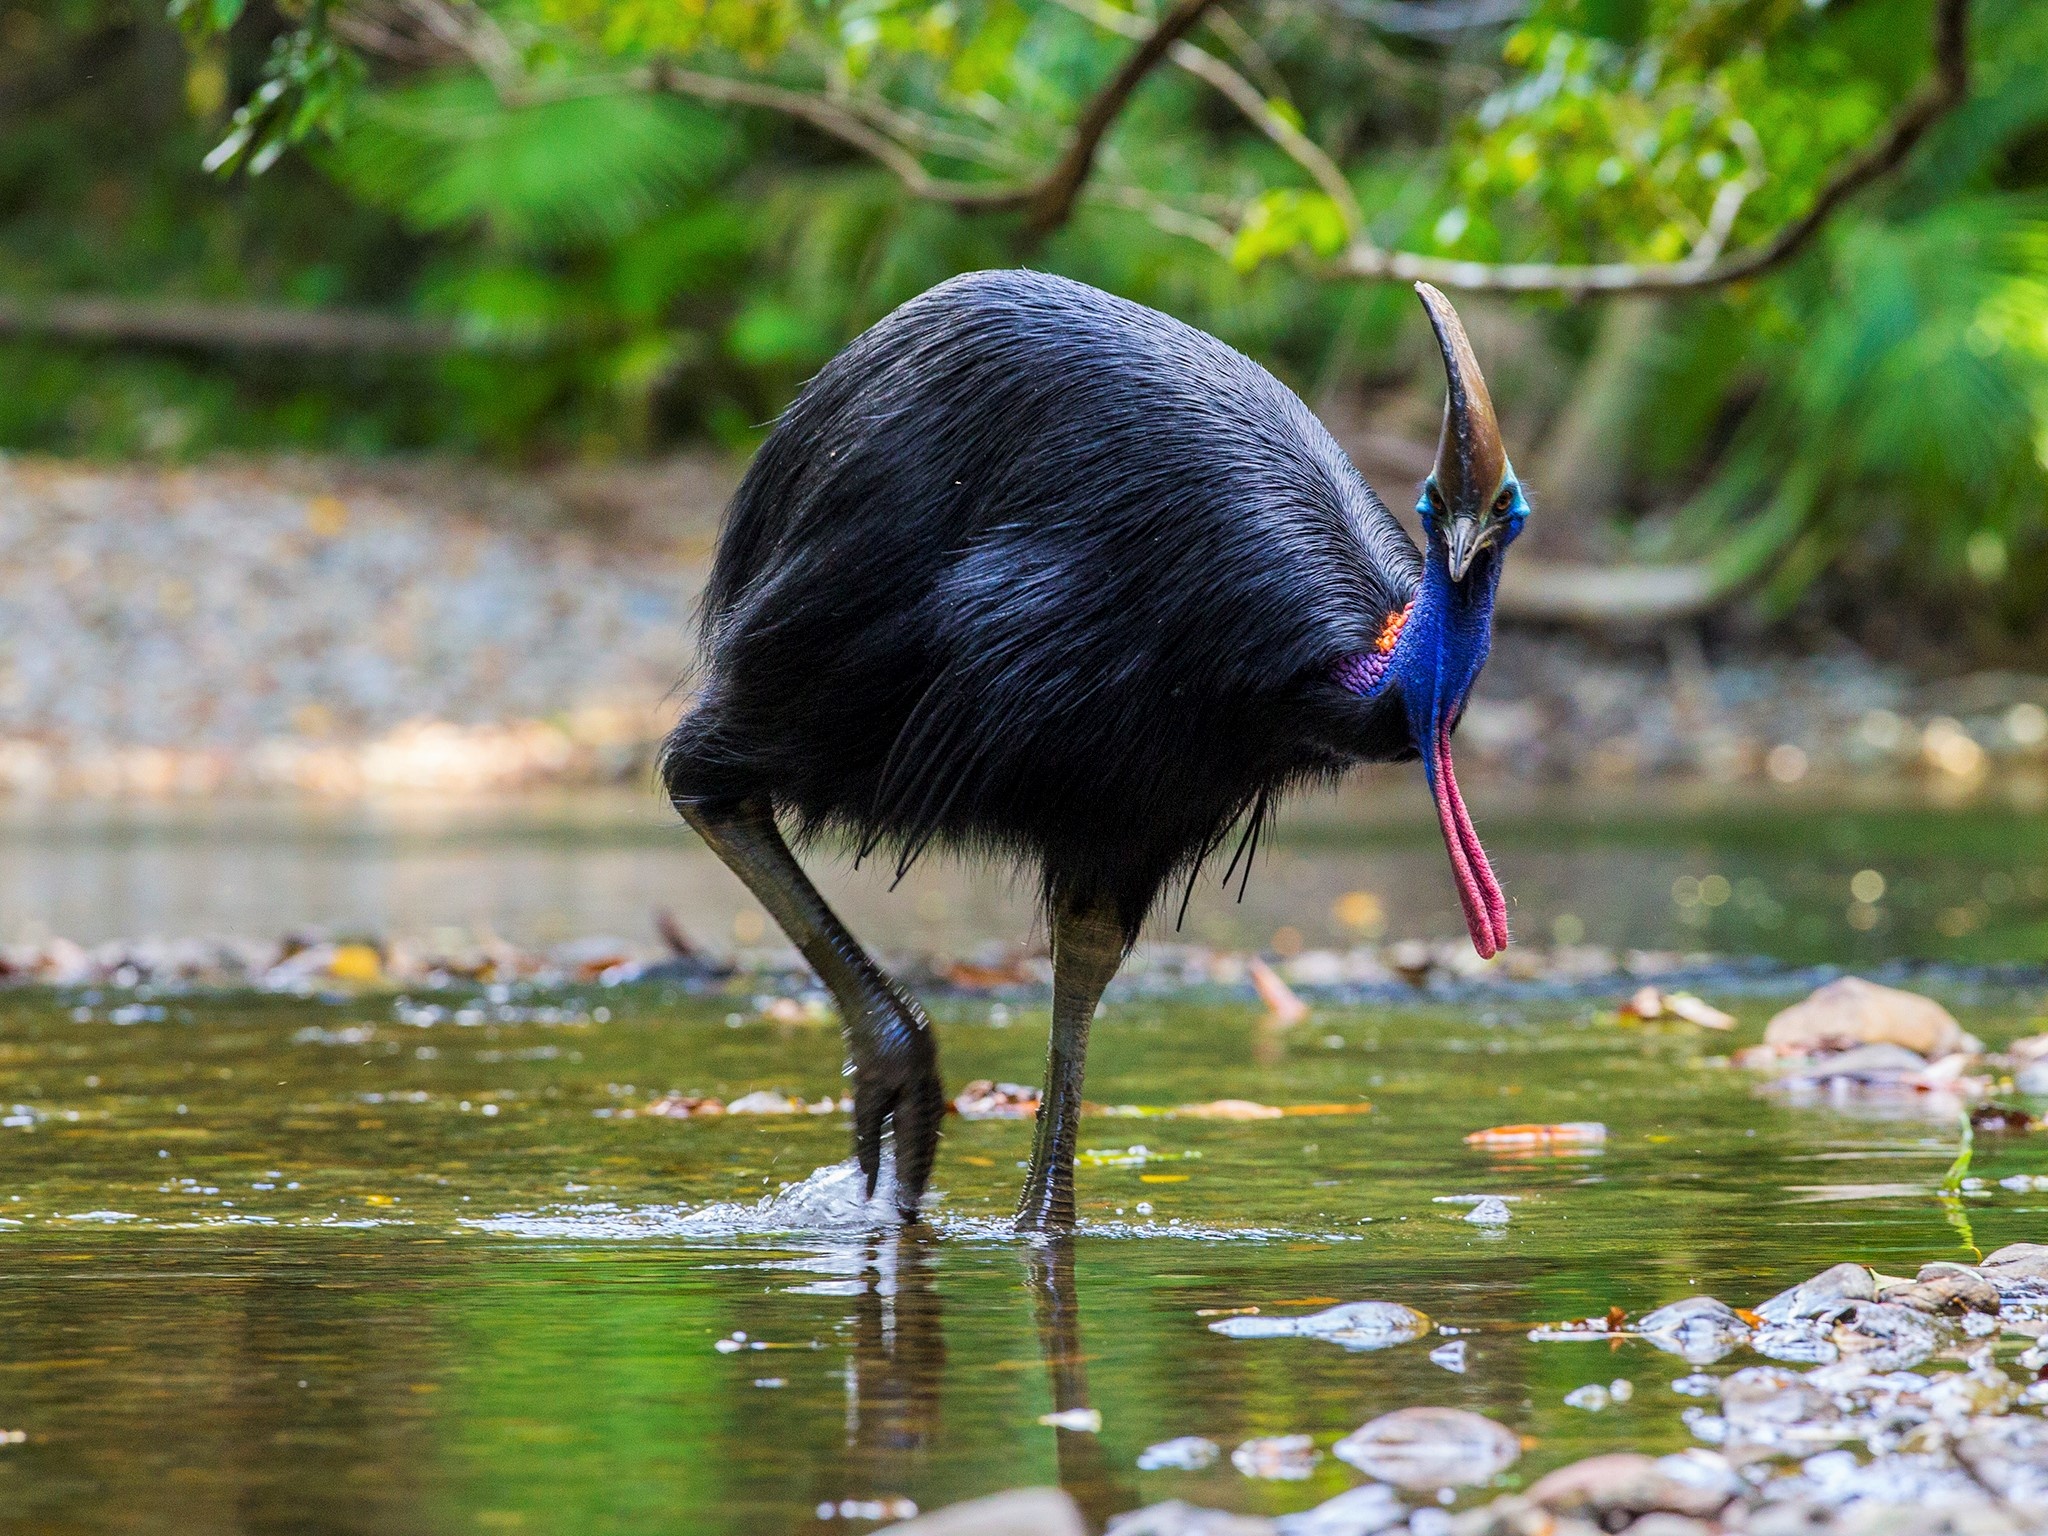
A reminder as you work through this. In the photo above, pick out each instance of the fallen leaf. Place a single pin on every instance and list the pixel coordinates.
(1650, 1003)
(355, 962)
(765, 1101)
(1360, 1108)
(986, 1099)
(1229, 1109)
(1162, 1178)
(684, 1106)
(1571, 1133)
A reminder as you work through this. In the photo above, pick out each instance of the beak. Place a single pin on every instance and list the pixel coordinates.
(1470, 461)
(1462, 543)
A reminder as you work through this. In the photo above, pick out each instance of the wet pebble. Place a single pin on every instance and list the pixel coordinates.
(1430, 1448)
(1886, 1336)
(1825, 1293)
(1279, 1458)
(1187, 1453)
(1490, 1212)
(1356, 1325)
(1176, 1517)
(1450, 1356)
(1945, 1289)
(1852, 1012)
(1355, 1512)
(1700, 1329)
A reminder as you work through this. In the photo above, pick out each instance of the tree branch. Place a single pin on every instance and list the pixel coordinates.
(253, 327)
(1707, 266)
(1249, 100)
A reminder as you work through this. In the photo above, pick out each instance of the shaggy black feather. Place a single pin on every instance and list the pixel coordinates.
(1033, 571)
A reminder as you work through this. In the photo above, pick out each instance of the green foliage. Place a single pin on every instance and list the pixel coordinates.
(672, 268)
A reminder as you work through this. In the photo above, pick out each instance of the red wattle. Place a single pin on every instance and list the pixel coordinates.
(1486, 910)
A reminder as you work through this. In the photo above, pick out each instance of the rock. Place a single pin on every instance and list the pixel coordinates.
(2010, 1457)
(2019, 1270)
(1081, 1421)
(1592, 1397)
(1176, 1517)
(1356, 1325)
(1629, 1483)
(1019, 1512)
(1851, 1012)
(1699, 1329)
(1188, 1453)
(1885, 1336)
(1764, 1402)
(1880, 1064)
(1430, 1448)
(1945, 1290)
(1490, 1212)
(1355, 1512)
(1802, 1343)
(985, 1099)
(1280, 1458)
(1824, 1294)
(1450, 1356)
(764, 1102)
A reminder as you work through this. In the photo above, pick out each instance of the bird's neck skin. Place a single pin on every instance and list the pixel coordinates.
(1446, 639)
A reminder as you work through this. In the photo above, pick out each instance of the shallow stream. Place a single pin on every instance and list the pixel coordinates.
(353, 1264)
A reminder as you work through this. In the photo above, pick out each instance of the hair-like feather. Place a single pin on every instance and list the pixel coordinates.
(1033, 571)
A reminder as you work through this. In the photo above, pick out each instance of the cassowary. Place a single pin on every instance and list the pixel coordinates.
(1031, 571)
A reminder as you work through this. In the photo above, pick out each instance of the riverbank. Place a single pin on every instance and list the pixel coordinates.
(344, 628)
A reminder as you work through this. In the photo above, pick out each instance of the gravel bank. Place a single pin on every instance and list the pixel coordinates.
(345, 628)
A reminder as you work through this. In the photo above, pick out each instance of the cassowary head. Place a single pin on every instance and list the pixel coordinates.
(1471, 501)
(1471, 508)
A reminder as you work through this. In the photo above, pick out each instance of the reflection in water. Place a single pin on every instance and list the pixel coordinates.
(1084, 1469)
(893, 1370)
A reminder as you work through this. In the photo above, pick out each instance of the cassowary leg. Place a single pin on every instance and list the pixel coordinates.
(891, 1054)
(1087, 947)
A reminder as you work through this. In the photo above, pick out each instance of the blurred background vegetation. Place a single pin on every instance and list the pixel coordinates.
(539, 233)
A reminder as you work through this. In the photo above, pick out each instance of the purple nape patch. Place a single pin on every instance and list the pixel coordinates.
(1361, 674)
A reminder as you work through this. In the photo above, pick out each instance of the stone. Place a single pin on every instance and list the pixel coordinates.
(1699, 1328)
(1019, 1512)
(1825, 1293)
(1851, 1012)
(1176, 1517)
(1277, 1458)
(2010, 1457)
(1355, 1512)
(1630, 1483)
(1355, 1325)
(1945, 1289)
(1885, 1336)
(1767, 1403)
(1187, 1453)
(1430, 1448)
(2019, 1270)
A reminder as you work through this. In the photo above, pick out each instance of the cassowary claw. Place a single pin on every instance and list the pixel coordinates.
(897, 1087)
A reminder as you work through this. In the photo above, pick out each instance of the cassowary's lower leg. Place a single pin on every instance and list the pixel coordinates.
(892, 1057)
(1087, 947)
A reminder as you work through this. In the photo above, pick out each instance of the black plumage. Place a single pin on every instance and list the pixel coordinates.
(1032, 570)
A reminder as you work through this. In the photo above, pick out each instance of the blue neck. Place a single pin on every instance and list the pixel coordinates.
(1445, 642)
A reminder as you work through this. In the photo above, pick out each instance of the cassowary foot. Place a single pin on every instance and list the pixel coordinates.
(896, 1087)
(1048, 1202)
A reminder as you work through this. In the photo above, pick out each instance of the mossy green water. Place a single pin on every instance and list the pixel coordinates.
(258, 1275)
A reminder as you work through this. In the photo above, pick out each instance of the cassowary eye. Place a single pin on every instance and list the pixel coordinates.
(1504, 500)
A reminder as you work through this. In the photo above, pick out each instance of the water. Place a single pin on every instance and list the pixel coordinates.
(1649, 867)
(295, 1264)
